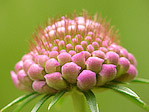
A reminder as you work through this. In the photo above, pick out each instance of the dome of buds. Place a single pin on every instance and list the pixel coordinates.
(77, 51)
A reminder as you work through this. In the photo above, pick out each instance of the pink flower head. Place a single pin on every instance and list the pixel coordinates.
(78, 52)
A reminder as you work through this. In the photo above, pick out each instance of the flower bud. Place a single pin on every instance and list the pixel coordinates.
(84, 44)
(80, 20)
(86, 54)
(124, 53)
(94, 64)
(86, 80)
(42, 87)
(105, 43)
(53, 54)
(98, 40)
(70, 72)
(112, 58)
(130, 75)
(123, 66)
(17, 83)
(19, 66)
(42, 51)
(52, 66)
(61, 44)
(61, 30)
(64, 58)
(132, 59)
(71, 52)
(78, 37)
(78, 48)
(67, 39)
(90, 48)
(41, 60)
(91, 34)
(99, 54)
(81, 28)
(23, 78)
(95, 45)
(69, 47)
(88, 39)
(103, 49)
(114, 48)
(52, 33)
(55, 48)
(55, 81)
(36, 72)
(63, 51)
(107, 73)
(71, 28)
(27, 57)
(27, 64)
(74, 42)
(79, 59)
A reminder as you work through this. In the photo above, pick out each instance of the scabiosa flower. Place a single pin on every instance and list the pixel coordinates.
(94, 47)
(77, 52)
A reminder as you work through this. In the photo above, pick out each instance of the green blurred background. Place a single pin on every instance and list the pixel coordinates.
(19, 18)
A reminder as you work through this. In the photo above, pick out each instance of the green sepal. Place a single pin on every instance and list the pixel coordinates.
(56, 98)
(141, 80)
(39, 104)
(91, 99)
(26, 101)
(17, 100)
(129, 94)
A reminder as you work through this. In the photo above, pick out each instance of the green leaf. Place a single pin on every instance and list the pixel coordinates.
(90, 97)
(129, 94)
(56, 98)
(39, 104)
(141, 80)
(26, 101)
(123, 90)
(17, 100)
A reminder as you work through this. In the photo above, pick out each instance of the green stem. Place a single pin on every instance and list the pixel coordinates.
(78, 101)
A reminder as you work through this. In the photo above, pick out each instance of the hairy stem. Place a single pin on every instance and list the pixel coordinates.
(78, 101)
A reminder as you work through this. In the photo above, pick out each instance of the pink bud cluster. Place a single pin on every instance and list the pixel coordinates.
(80, 52)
